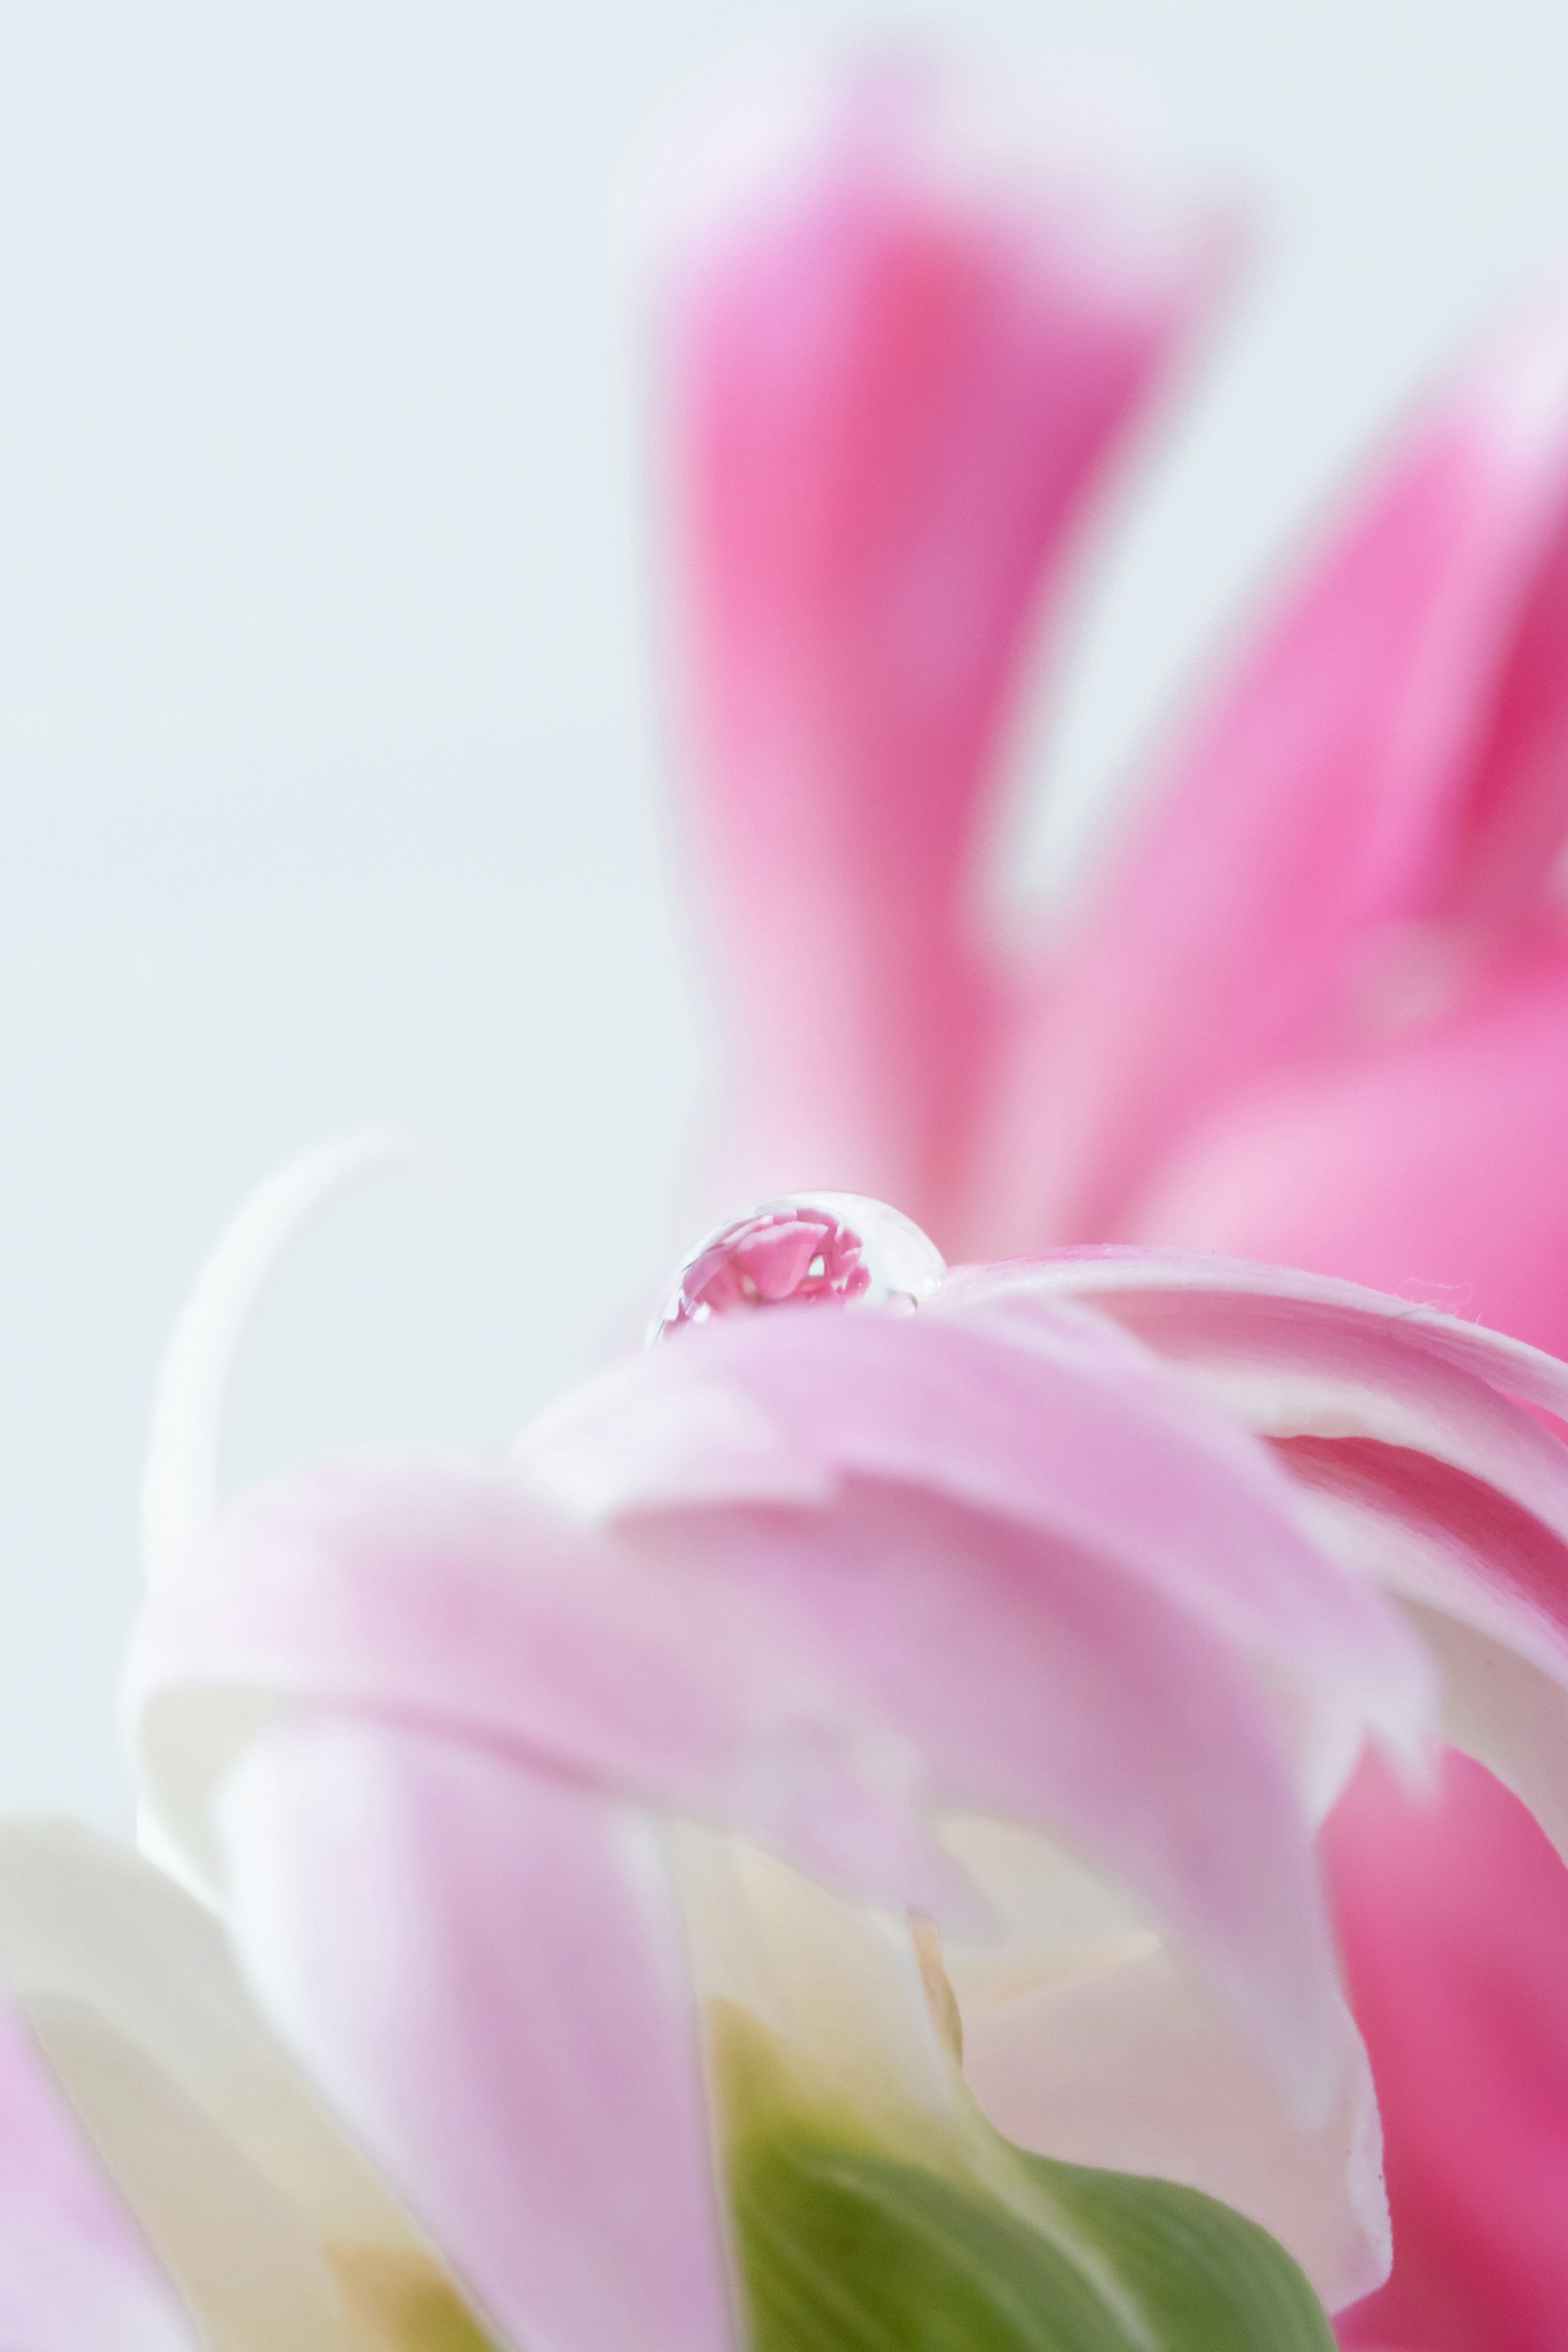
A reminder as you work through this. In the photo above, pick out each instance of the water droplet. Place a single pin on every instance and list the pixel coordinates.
(800, 1250)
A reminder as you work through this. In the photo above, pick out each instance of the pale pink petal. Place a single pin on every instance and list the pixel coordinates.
(1031, 1680)
(898, 356)
(1295, 1354)
(442, 1597)
(1448, 1542)
(1044, 1419)
(743, 1681)
(1429, 1164)
(1392, 752)
(75, 2275)
(482, 1968)
(1453, 1921)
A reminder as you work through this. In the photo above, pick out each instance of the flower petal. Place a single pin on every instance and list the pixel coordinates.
(1105, 2049)
(740, 1667)
(482, 1965)
(445, 1600)
(1453, 1919)
(1427, 1163)
(1293, 1354)
(1028, 1679)
(180, 1491)
(74, 2274)
(271, 2223)
(1391, 753)
(897, 360)
(1038, 1417)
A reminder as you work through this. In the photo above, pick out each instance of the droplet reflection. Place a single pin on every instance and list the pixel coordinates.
(802, 1249)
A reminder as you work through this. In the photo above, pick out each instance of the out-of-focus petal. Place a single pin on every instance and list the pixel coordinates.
(898, 355)
(180, 1491)
(1392, 752)
(482, 1965)
(1086, 2038)
(1453, 1921)
(75, 2275)
(270, 2223)
(1429, 1162)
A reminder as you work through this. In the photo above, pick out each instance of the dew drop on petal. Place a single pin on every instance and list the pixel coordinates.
(800, 1250)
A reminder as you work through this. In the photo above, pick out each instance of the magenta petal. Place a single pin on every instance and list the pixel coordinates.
(75, 2275)
(482, 1968)
(896, 366)
(1453, 1920)
(1430, 1164)
(1392, 752)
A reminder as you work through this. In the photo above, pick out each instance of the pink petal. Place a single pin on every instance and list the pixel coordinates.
(1055, 1423)
(1450, 1543)
(1298, 1354)
(451, 1601)
(1393, 751)
(743, 1683)
(1035, 1682)
(897, 362)
(75, 2275)
(1453, 1920)
(481, 1967)
(1428, 1163)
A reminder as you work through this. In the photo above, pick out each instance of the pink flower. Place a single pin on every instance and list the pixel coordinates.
(1315, 1006)
(896, 365)
(486, 1766)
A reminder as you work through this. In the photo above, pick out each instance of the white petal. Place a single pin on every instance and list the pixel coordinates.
(275, 2231)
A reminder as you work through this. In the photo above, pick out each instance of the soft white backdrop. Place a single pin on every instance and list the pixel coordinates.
(330, 755)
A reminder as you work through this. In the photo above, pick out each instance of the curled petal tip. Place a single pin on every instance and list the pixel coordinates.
(180, 1488)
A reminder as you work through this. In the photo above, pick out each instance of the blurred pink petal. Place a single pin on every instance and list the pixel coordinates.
(481, 1964)
(896, 365)
(1428, 1162)
(1454, 1920)
(1392, 753)
(75, 2275)
(1315, 1011)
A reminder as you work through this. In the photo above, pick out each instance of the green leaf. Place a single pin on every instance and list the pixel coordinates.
(850, 2241)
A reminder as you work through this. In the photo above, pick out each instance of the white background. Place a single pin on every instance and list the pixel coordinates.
(330, 755)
